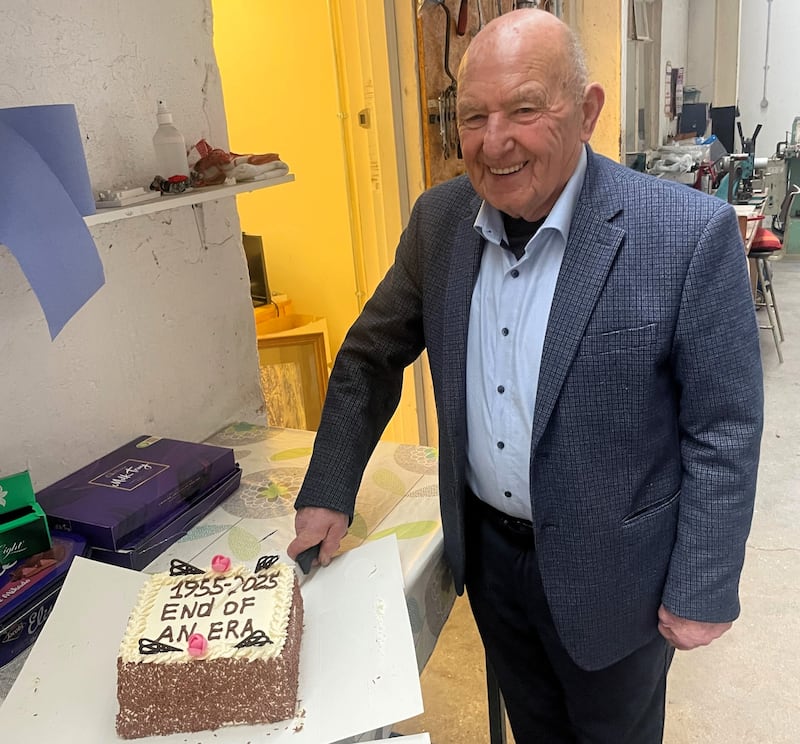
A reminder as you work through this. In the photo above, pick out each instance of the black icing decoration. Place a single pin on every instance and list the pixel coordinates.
(178, 567)
(265, 562)
(256, 638)
(147, 647)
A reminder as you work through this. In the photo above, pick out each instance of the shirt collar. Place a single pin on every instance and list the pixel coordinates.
(489, 222)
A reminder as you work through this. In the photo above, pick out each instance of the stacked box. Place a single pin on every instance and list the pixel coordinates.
(23, 526)
(136, 501)
(28, 590)
(126, 493)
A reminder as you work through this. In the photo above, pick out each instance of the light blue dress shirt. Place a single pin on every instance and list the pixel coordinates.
(507, 323)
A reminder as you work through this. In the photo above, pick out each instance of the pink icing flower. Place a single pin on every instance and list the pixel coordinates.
(220, 563)
(198, 645)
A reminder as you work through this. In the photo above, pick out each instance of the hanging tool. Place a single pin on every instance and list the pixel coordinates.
(447, 99)
(481, 19)
(463, 18)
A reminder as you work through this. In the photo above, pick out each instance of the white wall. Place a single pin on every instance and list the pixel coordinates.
(674, 49)
(726, 53)
(783, 100)
(167, 346)
(700, 48)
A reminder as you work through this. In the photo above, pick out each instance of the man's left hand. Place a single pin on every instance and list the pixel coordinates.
(688, 634)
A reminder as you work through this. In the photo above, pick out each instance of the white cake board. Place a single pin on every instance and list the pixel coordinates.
(358, 669)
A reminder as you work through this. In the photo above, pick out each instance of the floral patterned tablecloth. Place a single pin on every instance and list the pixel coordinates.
(398, 494)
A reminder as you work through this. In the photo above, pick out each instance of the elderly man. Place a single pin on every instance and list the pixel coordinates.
(596, 367)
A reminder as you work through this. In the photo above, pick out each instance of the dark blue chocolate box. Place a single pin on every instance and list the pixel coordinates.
(129, 491)
(28, 591)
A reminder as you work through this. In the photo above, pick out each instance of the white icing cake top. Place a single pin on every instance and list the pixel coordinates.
(224, 607)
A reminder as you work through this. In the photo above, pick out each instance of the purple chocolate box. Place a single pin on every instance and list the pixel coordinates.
(28, 590)
(124, 494)
(139, 553)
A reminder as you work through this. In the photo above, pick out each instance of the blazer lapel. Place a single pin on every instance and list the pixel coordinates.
(590, 251)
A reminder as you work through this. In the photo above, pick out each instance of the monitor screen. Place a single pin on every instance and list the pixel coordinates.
(257, 268)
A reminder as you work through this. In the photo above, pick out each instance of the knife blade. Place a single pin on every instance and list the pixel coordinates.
(306, 558)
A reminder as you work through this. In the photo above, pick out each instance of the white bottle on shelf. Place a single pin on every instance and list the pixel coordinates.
(169, 145)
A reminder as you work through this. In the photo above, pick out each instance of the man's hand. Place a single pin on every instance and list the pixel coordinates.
(315, 525)
(688, 634)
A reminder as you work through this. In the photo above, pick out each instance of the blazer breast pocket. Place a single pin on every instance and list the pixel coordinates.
(618, 341)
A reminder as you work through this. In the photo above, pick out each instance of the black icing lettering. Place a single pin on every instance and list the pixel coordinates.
(185, 632)
(169, 612)
(166, 635)
(230, 607)
(246, 602)
(198, 609)
(188, 611)
(231, 630)
(215, 631)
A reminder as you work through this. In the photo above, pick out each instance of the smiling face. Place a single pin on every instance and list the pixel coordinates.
(521, 122)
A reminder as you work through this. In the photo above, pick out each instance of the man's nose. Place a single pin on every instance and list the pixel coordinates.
(497, 137)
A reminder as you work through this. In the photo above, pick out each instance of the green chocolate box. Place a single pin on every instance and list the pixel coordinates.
(23, 524)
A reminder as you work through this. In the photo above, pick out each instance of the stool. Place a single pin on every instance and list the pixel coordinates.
(766, 245)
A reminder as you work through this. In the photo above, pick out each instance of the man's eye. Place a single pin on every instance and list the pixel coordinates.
(472, 120)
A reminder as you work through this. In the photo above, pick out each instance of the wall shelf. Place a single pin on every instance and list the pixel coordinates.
(195, 196)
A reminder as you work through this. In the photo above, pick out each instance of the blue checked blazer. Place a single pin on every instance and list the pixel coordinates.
(648, 418)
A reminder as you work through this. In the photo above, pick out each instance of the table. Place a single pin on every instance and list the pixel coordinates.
(398, 494)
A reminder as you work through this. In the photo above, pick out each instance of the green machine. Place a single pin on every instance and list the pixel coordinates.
(790, 152)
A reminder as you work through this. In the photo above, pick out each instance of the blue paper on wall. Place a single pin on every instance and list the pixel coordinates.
(43, 196)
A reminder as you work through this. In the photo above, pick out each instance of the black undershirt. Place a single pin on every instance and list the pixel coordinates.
(519, 232)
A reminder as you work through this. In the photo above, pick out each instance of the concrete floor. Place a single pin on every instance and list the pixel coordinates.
(745, 687)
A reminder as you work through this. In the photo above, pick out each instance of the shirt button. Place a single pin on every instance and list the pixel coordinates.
(501, 389)
(514, 273)
(504, 331)
(500, 445)
(507, 494)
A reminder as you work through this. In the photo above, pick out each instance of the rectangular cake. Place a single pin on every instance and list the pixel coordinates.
(210, 649)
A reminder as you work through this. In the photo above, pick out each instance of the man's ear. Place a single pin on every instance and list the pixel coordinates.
(593, 99)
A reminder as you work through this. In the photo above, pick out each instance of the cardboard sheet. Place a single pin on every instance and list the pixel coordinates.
(358, 670)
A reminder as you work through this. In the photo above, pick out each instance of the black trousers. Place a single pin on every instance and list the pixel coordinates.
(549, 699)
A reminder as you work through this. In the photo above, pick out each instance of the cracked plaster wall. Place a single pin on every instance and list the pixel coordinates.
(167, 347)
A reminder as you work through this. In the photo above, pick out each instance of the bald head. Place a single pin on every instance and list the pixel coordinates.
(534, 33)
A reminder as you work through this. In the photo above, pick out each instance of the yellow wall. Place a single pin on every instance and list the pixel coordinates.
(599, 25)
(279, 83)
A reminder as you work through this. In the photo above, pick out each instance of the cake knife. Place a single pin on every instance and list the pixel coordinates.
(306, 558)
